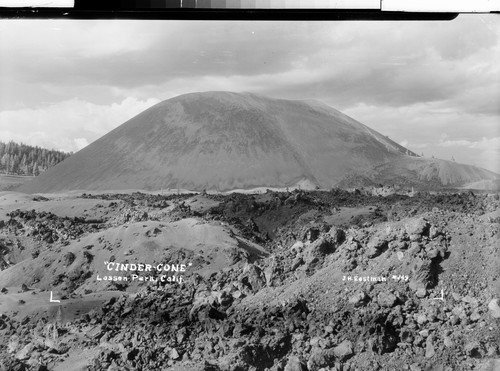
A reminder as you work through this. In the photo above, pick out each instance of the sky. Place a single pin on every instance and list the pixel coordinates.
(433, 87)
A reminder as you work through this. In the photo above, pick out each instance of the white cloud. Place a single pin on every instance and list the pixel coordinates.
(57, 37)
(68, 125)
(456, 143)
(484, 143)
(469, 138)
(418, 145)
(81, 143)
(412, 146)
(484, 152)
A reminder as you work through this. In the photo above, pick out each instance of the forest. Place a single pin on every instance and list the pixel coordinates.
(22, 159)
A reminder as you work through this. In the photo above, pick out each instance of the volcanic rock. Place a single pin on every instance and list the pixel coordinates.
(448, 342)
(375, 247)
(295, 364)
(429, 347)
(68, 259)
(494, 308)
(25, 352)
(344, 350)
(473, 349)
(320, 358)
(358, 298)
(417, 227)
(386, 299)
(174, 354)
(320, 247)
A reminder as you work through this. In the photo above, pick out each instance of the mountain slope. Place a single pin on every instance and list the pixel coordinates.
(423, 173)
(224, 141)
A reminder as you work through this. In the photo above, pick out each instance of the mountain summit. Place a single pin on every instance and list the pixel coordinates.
(224, 141)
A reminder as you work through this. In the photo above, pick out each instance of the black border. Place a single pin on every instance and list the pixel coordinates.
(107, 11)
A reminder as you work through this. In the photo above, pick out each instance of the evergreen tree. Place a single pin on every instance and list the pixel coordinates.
(21, 159)
(36, 170)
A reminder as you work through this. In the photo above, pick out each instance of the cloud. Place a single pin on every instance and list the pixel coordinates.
(81, 143)
(418, 145)
(484, 152)
(484, 143)
(69, 125)
(436, 130)
(95, 39)
(456, 143)
(357, 61)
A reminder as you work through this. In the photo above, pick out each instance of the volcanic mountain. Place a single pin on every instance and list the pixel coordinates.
(223, 141)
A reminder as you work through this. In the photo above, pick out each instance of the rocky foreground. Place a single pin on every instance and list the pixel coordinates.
(349, 282)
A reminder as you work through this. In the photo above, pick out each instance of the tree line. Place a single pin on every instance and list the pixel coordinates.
(22, 159)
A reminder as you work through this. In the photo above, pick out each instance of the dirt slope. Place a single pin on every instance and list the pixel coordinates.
(424, 174)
